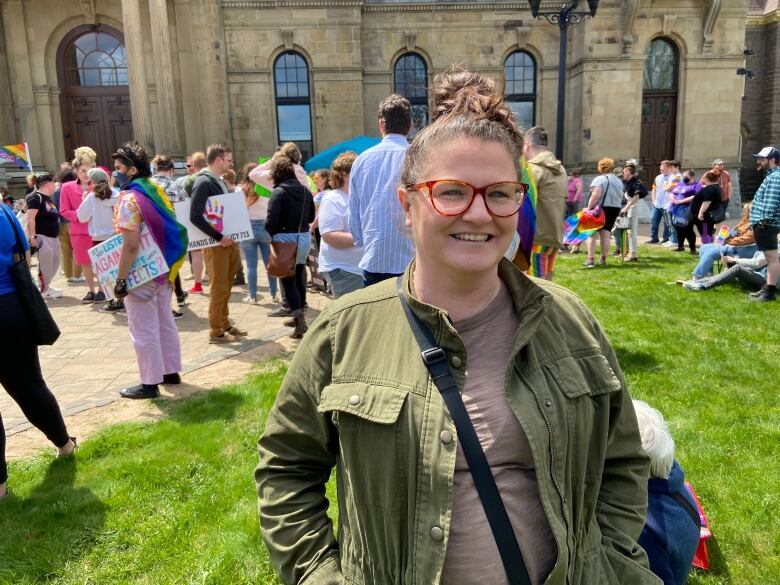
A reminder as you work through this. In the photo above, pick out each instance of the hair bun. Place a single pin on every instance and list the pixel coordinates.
(458, 92)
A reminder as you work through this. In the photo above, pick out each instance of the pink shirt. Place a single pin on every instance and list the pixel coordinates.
(71, 196)
(574, 184)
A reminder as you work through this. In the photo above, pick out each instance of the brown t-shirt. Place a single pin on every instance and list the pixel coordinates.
(472, 556)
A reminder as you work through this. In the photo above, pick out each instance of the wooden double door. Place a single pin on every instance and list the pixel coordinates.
(98, 117)
(659, 126)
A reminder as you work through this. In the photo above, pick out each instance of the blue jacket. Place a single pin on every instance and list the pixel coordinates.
(671, 535)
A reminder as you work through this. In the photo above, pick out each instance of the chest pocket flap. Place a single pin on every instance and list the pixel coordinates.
(584, 374)
(379, 404)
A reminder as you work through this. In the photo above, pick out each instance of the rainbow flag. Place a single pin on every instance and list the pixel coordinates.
(580, 226)
(158, 214)
(526, 218)
(722, 234)
(16, 154)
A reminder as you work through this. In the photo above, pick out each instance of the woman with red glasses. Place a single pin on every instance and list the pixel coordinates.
(480, 427)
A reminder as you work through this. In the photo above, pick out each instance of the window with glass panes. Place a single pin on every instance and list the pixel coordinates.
(293, 102)
(410, 76)
(520, 87)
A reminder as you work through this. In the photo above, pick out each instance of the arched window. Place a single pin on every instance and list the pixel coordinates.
(293, 101)
(411, 81)
(95, 59)
(520, 87)
(661, 66)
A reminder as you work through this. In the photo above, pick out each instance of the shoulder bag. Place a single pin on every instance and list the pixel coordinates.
(435, 360)
(44, 328)
(716, 215)
(283, 254)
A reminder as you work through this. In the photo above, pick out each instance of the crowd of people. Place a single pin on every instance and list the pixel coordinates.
(428, 229)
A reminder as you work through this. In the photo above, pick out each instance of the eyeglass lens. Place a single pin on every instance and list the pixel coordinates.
(454, 197)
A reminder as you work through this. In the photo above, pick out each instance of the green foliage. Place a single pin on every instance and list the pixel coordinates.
(173, 501)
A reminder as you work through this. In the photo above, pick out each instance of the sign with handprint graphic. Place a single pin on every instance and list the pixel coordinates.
(226, 213)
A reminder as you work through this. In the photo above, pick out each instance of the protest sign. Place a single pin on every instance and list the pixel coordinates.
(226, 213)
(149, 264)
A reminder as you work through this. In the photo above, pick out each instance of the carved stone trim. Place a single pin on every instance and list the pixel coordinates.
(88, 11)
(669, 20)
(522, 36)
(392, 7)
(287, 38)
(630, 10)
(710, 20)
(410, 40)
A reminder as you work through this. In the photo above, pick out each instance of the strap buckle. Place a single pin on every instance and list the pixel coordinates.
(432, 356)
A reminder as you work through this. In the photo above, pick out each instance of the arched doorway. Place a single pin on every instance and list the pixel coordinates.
(95, 98)
(659, 106)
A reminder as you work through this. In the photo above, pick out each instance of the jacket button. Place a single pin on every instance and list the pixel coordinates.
(456, 362)
(437, 533)
(548, 403)
(446, 437)
(354, 400)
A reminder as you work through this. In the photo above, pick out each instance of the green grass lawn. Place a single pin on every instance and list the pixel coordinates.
(173, 501)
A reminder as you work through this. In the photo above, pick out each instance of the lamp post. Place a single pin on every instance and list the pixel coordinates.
(564, 17)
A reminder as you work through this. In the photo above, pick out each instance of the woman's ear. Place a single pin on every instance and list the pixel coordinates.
(405, 199)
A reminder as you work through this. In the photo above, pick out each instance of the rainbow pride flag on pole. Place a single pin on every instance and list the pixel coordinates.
(16, 154)
(526, 220)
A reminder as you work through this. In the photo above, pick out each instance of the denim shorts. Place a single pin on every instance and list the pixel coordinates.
(304, 244)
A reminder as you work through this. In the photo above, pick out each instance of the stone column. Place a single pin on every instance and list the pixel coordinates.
(7, 122)
(193, 127)
(168, 136)
(136, 73)
(19, 68)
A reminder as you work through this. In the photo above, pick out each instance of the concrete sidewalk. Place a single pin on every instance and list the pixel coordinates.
(94, 357)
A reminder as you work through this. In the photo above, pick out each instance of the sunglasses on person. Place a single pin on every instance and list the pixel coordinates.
(451, 197)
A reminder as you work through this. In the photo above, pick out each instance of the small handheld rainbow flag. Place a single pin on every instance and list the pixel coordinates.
(16, 154)
(722, 234)
(526, 219)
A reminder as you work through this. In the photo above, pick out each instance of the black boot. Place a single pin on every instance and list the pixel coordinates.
(141, 391)
(300, 327)
(766, 294)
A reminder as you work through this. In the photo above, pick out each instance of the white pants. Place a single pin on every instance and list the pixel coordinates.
(48, 260)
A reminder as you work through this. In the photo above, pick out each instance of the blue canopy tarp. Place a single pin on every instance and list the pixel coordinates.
(324, 159)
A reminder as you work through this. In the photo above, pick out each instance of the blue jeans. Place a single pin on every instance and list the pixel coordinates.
(711, 253)
(655, 222)
(370, 278)
(343, 282)
(261, 240)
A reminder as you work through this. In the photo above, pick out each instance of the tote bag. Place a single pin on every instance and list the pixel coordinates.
(281, 264)
(44, 328)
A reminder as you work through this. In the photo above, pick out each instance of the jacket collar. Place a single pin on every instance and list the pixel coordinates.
(530, 302)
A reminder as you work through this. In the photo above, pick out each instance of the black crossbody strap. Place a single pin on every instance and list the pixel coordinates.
(435, 359)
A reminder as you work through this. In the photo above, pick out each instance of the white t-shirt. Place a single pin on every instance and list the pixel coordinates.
(334, 217)
(611, 190)
(259, 209)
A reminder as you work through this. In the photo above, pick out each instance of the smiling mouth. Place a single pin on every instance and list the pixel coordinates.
(472, 237)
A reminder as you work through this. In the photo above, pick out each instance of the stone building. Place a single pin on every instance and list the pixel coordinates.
(646, 79)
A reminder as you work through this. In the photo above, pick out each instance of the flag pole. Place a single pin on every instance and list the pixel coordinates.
(29, 159)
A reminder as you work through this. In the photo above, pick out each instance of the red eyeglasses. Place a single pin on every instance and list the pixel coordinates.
(452, 197)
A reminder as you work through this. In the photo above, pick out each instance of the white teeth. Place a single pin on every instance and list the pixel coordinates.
(472, 237)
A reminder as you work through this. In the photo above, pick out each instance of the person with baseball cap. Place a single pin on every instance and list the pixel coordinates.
(765, 220)
(724, 179)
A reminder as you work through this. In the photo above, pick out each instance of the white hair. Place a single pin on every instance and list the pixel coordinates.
(656, 439)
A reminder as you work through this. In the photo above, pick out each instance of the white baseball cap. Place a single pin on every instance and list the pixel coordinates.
(768, 152)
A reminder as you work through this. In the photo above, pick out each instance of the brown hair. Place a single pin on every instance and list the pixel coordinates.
(341, 168)
(229, 176)
(198, 160)
(575, 172)
(291, 151)
(162, 162)
(282, 168)
(690, 172)
(711, 176)
(247, 184)
(396, 111)
(216, 151)
(102, 190)
(606, 165)
(674, 163)
(466, 105)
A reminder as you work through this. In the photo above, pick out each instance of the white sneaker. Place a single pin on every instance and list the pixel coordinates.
(70, 279)
(250, 300)
(669, 244)
(81, 278)
(51, 293)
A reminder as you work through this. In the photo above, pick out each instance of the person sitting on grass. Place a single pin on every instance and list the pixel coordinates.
(671, 534)
(751, 272)
(740, 243)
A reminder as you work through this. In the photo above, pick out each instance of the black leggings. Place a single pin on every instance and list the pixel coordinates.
(686, 233)
(20, 375)
(295, 289)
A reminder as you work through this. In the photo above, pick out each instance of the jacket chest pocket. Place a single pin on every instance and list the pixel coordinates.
(375, 438)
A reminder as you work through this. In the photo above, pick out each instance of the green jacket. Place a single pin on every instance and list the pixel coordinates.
(358, 397)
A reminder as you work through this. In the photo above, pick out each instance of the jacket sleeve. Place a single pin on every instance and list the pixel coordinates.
(298, 451)
(273, 220)
(622, 501)
(86, 209)
(200, 195)
(261, 175)
(68, 209)
(757, 262)
(300, 174)
(355, 219)
(310, 207)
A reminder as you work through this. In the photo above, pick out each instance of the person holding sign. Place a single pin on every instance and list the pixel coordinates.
(152, 329)
(221, 260)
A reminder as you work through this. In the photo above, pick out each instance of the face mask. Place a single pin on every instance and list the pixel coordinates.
(121, 179)
(686, 180)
